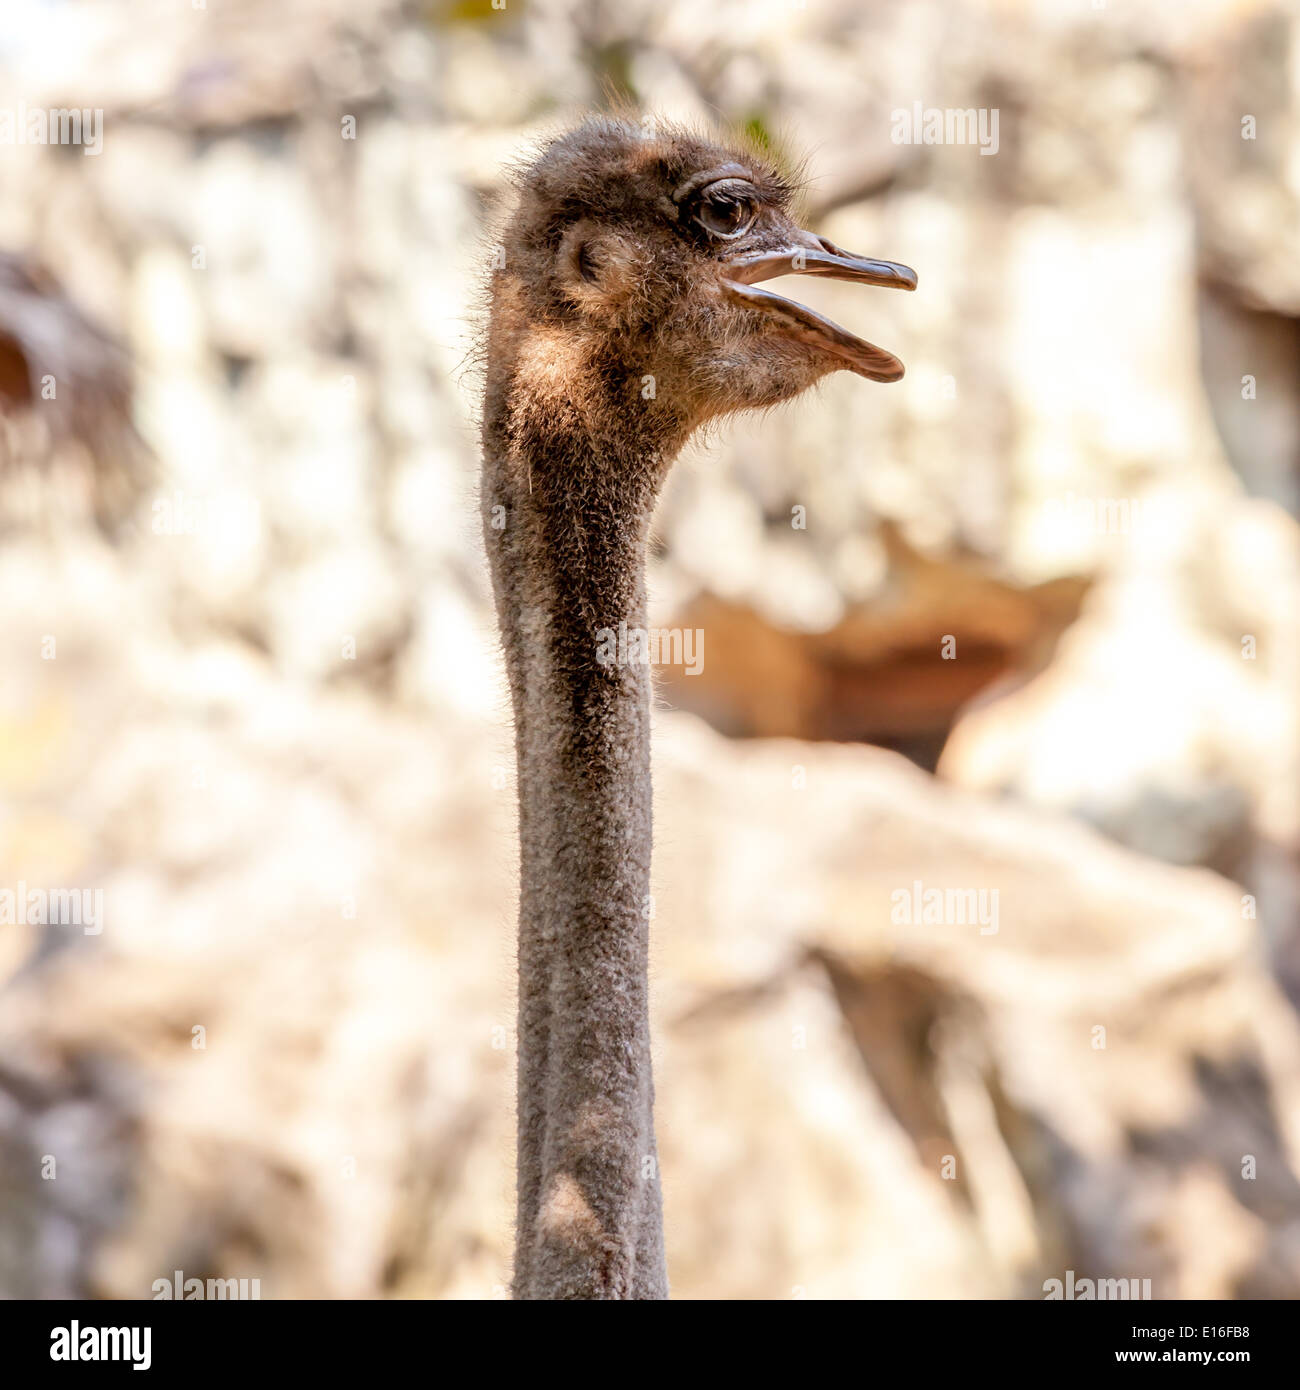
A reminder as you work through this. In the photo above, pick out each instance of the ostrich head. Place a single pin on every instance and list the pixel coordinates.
(629, 292)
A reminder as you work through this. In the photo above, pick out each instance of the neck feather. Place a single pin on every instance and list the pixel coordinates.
(566, 532)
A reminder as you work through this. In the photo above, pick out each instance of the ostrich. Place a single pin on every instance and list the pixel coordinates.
(625, 313)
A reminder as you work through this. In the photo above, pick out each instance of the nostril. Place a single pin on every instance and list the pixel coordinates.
(829, 247)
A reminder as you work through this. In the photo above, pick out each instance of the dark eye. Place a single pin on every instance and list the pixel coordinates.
(727, 208)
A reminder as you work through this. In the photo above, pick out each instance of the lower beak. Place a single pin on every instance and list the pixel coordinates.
(823, 258)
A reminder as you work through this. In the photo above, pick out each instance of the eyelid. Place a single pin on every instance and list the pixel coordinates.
(709, 176)
(729, 185)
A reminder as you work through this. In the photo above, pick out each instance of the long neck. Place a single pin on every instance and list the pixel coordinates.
(568, 560)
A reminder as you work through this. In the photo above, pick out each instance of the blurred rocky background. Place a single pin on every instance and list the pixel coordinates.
(1021, 629)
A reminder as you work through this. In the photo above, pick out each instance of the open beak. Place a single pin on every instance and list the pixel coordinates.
(817, 256)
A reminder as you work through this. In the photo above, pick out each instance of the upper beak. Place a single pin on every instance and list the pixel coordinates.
(814, 255)
(820, 257)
